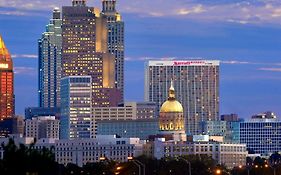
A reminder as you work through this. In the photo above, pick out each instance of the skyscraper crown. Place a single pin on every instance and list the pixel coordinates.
(108, 5)
(4, 53)
(81, 3)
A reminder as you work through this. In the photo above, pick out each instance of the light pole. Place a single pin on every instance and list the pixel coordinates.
(188, 163)
(138, 163)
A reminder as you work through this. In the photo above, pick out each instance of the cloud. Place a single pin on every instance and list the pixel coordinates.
(24, 56)
(13, 13)
(31, 71)
(236, 62)
(235, 11)
(271, 69)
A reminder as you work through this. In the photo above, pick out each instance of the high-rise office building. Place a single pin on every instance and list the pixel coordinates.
(196, 83)
(115, 27)
(85, 51)
(50, 45)
(7, 99)
(76, 104)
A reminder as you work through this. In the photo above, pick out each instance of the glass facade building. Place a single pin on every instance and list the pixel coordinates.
(7, 98)
(262, 136)
(129, 128)
(76, 97)
(50, 48)
(196, 83)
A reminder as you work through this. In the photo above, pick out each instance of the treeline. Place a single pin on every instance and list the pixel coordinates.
(26, 160)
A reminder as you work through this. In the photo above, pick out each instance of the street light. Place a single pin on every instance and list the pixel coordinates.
(218, 171)
(188, 163)
(138, 163)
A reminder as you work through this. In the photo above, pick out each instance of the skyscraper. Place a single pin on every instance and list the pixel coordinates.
(196, 83)
(85, 51)
(115, 27)
(7, 99)
(50, 46)
(76, 104)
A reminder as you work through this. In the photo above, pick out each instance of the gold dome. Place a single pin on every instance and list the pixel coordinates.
(171, 105)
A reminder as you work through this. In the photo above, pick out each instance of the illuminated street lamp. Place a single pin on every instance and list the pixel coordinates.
(218, 171)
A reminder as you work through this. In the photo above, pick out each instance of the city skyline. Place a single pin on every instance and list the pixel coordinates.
(257, 58)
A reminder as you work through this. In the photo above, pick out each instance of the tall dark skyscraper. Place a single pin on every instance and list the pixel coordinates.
(85, 51)
(50, 46)
(115, 27)
(7, 99)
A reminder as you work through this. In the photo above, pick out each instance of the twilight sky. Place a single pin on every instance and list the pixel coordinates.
(244, 34)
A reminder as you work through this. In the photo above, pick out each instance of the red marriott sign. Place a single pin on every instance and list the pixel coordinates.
(184, 63)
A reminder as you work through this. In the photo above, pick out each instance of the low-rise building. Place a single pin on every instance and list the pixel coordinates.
(228, 154)
(141, 128)
(81, 151)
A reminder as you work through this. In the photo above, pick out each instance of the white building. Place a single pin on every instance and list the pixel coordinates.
(81, 151)
(196, 83)
(42, 127)
(229, 154)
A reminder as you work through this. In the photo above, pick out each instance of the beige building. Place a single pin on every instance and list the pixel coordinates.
(230, 155)
(42, 127)
(127, 112)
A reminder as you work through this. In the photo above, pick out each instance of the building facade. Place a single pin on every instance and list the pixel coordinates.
(116, 45)
(32, 112)
(196, 83)
(214, 128)
(128, 112)
(231, 155)
(42, 127)
(144, 110)
(7, 98)
(141, 128)
(85, 51)
(232, 127)
(261, 135)
(83, 151)
(13, 125)
(76, 104)
(50, 48)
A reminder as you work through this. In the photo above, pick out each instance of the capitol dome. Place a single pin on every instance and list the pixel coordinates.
(171, 105)
(171, 117)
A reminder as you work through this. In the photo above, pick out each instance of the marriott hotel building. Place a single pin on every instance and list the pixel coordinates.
(196, 83)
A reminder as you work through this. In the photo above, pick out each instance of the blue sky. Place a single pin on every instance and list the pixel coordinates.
(244, 35)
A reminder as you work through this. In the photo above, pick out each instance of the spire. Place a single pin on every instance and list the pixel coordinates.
(4, 53)
(172, 91)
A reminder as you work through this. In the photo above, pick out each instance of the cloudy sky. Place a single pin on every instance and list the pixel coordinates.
(244, 34)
